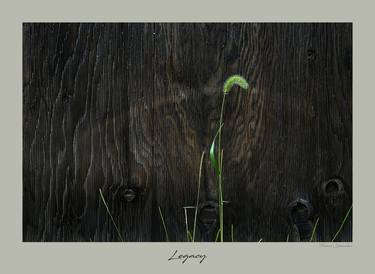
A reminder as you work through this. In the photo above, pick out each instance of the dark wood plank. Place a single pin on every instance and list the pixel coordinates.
(80, 133)
(178, 124)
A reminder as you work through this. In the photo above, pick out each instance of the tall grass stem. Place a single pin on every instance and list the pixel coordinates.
(197, 203)
(110, 215)
(314, 229)
(162, 220)
(221, 211)
(342, 223)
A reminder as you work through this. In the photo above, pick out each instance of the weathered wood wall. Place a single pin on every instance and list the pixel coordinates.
(129, 108)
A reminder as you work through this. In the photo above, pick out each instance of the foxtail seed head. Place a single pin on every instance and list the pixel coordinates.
(235, 80)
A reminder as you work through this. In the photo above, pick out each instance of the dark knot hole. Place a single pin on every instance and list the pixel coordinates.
(299, 213)
(208, 215)
(332, 187)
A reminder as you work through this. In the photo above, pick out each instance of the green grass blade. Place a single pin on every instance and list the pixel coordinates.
(314, 229)
(199, 186)
(162, 220)
(235, 80)
(110, 215)
(213, 160)
(342, 223)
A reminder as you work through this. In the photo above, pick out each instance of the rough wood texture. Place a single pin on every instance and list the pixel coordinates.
(129, 108)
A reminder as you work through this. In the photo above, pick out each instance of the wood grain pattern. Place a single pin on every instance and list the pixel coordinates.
(129, 108)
